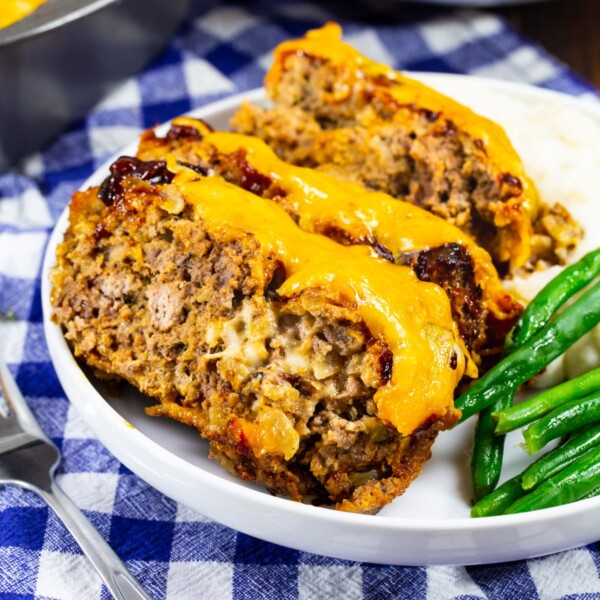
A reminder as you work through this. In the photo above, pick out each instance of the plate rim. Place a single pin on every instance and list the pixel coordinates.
(76, 380)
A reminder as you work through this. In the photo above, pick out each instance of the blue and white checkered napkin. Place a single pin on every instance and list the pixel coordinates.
(224, 48)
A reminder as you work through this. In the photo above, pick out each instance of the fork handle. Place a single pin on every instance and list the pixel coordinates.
(120, 582)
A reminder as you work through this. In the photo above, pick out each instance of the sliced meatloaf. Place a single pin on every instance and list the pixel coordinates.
(320, 370)
(345, 212)
(338, 111)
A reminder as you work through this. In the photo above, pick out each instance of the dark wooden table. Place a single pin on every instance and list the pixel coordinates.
(569, 29)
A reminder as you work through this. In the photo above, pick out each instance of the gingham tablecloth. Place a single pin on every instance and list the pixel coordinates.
(224, 48)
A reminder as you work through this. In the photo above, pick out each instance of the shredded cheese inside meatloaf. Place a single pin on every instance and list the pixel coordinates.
(323, 371)
(412, 317)
(348, 213)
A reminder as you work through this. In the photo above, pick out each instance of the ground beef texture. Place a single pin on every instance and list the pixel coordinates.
(268, 339)
(336, 110)
(398, 231)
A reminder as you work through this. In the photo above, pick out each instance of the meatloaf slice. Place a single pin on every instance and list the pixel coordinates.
(347, 213)
(322, 371)
(338, 111)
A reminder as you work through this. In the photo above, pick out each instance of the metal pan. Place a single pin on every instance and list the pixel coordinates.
(59, 61)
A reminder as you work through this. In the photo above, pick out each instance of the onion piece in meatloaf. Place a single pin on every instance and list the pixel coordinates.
(398, 231)
(338, 111)
(322, 371)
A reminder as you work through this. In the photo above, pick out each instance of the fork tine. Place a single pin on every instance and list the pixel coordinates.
(21, 417)
(9, 424)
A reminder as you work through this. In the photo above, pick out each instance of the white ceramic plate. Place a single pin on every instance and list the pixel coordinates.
(428, 525)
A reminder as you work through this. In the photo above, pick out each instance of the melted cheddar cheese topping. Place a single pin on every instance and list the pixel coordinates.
(322, 200)
(412, 317)
(359, 71)
(12, 11)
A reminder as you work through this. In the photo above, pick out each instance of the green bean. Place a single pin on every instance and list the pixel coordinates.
(567, 418)
(488, 450)
(569, 436)
(575, 481)
(500, 499)
(522, 414)
(551, 297)
(592, 494)
(542, 469)
(549, 464)
(558, 335)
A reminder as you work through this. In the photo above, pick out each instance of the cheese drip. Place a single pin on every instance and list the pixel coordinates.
(395, 89)
(412, 317)
(12, 11)
(321, 200)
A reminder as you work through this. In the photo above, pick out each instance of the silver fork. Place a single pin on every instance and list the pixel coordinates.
(28, 459)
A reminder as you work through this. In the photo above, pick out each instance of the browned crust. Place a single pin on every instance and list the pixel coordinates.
(408, 151)
(451, 266)
(113, 265)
